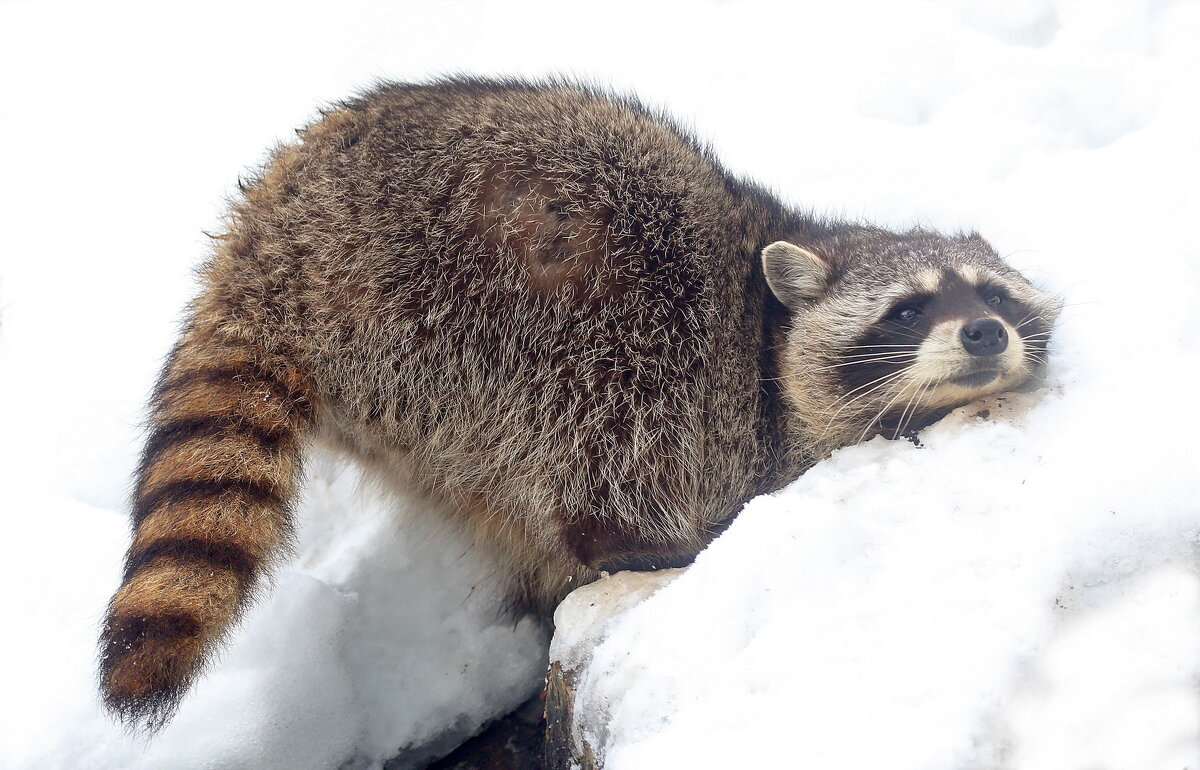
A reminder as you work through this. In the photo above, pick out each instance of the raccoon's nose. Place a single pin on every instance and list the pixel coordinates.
(984, 337)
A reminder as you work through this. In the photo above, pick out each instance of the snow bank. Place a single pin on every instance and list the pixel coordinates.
(382, 639)
(896, 601)
(938, 607)
(1021, 590)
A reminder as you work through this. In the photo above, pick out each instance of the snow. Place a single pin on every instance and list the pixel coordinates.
(1019, 592)
(893, 594)
(381, 638)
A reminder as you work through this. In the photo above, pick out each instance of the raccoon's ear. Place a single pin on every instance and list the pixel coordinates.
(977, 239)
(795, 275)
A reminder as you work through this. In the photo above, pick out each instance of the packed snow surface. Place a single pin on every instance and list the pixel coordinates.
(1020, 591)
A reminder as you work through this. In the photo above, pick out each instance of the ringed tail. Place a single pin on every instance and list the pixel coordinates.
(211, 510)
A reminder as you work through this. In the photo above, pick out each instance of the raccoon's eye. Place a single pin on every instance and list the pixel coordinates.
(905, 314)
(992, 295)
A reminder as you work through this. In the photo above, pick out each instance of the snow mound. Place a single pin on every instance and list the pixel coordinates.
(382, 639)
(932, 607)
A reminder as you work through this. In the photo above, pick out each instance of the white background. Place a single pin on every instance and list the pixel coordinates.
(1068, 134)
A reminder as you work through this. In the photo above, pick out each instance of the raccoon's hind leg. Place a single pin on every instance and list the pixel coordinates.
(218, 473)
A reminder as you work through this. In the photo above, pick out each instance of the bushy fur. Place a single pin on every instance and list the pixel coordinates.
(543, 304)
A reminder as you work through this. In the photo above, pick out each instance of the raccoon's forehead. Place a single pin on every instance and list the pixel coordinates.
(882, 286)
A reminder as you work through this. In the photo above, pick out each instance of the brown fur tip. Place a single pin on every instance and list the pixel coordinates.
(146, 665)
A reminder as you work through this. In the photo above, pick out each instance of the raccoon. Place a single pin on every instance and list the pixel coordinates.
(550, 308)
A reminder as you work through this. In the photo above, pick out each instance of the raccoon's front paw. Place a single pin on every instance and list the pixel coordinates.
(608, 546)
(644, 562)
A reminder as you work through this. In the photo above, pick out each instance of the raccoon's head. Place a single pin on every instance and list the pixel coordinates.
(890, 331)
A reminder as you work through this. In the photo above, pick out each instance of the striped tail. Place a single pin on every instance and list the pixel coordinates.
(211, 511)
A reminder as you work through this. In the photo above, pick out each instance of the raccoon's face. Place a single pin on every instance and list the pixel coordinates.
(889, 332)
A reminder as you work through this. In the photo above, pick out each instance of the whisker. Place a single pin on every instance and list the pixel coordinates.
(888, 353)
(890, 375)
(906, 416)
(878, 417)
(1028, 316)
(881, 382)
(1030, 320)
(898, 359)
(867, 347)
(917, 393)
(904, 426)
(883, 353)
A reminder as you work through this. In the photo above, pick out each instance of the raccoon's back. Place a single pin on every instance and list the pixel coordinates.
(531, 275)
(542, 302)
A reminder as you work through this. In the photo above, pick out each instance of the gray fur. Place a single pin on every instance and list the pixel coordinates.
(545, 305)
(540, 303)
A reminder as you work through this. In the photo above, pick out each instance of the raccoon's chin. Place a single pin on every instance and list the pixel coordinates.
(966, 386)
(978, 378)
